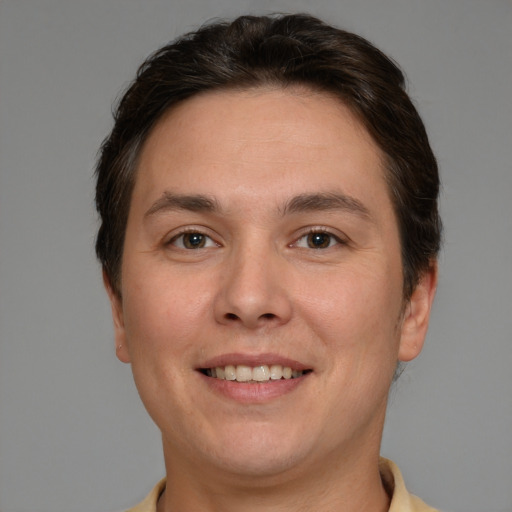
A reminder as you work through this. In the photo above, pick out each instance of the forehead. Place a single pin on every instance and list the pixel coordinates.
(265, 141)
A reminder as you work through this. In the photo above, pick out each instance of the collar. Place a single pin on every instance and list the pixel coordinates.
(401, 499)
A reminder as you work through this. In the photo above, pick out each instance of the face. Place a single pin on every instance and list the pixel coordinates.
(261, 243)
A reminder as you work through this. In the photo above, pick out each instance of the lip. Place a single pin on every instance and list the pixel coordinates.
(253, 360)
(253, 393)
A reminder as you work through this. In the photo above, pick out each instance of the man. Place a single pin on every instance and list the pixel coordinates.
(269, 235)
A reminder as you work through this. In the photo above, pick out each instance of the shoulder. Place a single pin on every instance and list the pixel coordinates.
(150, 502)
(401, 499)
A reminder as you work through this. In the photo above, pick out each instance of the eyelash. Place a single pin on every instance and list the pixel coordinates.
(190, 231)
(333, 239)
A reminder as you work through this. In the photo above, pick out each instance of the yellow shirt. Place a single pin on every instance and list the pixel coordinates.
(401, 500)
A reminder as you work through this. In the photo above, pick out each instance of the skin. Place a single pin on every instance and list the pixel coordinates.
(257, 286)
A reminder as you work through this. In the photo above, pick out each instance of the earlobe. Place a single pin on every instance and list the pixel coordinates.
(417, 315)
(118, 319)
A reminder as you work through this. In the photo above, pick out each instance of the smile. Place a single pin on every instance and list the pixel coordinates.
(253, 374)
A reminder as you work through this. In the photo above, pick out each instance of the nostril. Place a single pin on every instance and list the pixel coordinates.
(264, 316)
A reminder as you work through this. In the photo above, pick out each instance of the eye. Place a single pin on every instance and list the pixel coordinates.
(318, 240)
(192, 240)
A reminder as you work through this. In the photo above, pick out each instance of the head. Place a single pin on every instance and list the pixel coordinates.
(283, 52)
(268, 203)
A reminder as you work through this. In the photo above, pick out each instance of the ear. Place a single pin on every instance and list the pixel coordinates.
(417, 314)
(118, 318)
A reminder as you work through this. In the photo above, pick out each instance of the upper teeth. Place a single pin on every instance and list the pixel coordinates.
(243, 373)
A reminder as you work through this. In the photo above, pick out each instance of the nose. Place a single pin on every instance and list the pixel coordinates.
(253, 291)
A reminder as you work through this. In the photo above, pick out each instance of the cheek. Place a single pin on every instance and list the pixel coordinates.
(355, 315)
(163, 311)
(164, 330)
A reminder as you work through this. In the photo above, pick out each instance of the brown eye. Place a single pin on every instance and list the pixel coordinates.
(192, 240)
(319, 240)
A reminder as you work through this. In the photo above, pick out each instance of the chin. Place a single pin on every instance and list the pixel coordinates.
(259, 452)
(261, 466)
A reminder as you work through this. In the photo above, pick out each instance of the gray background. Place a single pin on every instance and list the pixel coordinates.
(73, 435)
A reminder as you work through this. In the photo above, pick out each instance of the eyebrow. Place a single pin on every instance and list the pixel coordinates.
(322, 201)
(326, 201)
(172, 202)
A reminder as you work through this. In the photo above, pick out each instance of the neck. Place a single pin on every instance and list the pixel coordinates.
(332, 485)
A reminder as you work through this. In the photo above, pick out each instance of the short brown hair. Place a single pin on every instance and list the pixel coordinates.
(277, 51)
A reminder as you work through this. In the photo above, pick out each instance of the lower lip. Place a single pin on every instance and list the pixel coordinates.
(251, 393)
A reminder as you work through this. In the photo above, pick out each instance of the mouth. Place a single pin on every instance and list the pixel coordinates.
(253, 374)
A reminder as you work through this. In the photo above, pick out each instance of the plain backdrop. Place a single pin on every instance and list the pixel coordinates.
(73, 434)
